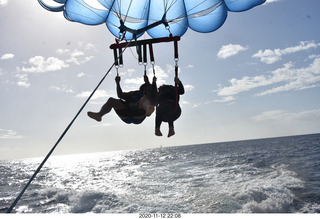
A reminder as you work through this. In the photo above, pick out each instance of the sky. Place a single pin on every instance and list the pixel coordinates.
(258, 76)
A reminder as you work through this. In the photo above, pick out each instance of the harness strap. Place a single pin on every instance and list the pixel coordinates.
(115, 55)
(145, 54)
(151, 53)
(120, 57)
(139, 54)
(176, 54)
(176, 69)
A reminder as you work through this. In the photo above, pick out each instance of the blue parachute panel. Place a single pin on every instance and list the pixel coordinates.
(79, 11)
(241, 5)
(173, 12)
(207, 18)
(158, 17)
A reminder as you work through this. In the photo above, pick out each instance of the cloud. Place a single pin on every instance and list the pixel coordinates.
(294, 79)
(244, 84)
(189, 66)
(134, 81)
(97, 94)
(229, 50)
(269, 115)
(129, 82)
(160, 73)
(225, 99)
(90, 46)
(188, 87)
(39, 64)
(99, 125)
(128, 73)
(76, 53)
(77, 61)
(3, 2)
(63, 51)
(281, 115)
(271, 56)
(76, 56)
(61, 89)
(9, 134)
(7, 56)
(23, 84)
(285, 78)
(81, 74)
(23, 80)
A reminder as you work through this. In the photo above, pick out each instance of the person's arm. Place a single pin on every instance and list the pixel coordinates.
(154, 91)
(120, 93)
(119, 90)
(180, 85)
(148, 89)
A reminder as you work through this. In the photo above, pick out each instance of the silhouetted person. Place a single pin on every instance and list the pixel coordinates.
(168, 108)
(132, 107)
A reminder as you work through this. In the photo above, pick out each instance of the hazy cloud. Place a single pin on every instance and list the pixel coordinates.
(90, 46)
(81, 74)
(271, 56)
(61, 89)
(281, 115)
(3, 2)
(63, 51)
(286, 78)
(23, 80)
(229, 50)
(9, 134)
(189, 66)
(76, 56)
(225, 99)
(97, 94)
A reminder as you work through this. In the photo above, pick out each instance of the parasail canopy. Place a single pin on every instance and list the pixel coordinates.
(156, 17)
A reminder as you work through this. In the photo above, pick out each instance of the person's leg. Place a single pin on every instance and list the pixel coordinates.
(171, 131)
(171, 127)
(158, 124)
(164, 113)
(106, 108)
(173, 117)
(159, 115)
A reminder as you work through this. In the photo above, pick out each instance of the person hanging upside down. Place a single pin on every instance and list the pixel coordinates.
(132, 107)
(168, 108)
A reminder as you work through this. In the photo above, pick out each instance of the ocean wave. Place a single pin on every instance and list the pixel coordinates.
(261, 176)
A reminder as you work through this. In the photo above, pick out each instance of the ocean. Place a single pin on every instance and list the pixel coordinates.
(274, 175)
